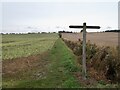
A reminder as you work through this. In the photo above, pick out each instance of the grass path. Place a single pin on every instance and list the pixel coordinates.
(61, 68)
(56, 73)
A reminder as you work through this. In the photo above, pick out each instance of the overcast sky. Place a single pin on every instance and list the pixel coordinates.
(54, 16)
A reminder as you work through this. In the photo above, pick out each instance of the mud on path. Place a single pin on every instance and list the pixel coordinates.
(25, 67)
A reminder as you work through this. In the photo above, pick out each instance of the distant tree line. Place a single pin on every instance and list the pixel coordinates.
(65, 31)
(112, 31)
(28, 33)
(60, 35)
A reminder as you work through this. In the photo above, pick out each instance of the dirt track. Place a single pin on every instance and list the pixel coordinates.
(101, 39)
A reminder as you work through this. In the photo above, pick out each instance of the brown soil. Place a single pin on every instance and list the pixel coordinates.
(14, 68)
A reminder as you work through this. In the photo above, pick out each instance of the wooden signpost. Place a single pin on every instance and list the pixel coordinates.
(84, 44)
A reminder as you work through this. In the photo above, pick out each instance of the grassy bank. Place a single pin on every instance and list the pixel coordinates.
(56, 73)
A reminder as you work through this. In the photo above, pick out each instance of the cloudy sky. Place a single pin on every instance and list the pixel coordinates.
(32, 16)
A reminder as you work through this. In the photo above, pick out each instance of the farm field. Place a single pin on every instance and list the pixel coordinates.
(45, 61)
(100, 38)
(14, 46)
(51, 68)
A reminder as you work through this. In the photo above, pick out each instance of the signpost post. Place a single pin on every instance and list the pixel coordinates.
(84, 45)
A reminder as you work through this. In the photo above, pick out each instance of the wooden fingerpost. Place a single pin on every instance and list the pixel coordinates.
(84, 45)
(84, 52)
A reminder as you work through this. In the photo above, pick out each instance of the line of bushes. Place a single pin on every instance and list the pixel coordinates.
(102, 62)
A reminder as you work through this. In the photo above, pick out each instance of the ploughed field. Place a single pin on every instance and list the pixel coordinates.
(99, 38)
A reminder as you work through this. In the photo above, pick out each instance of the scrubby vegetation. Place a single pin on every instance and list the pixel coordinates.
(102, 62)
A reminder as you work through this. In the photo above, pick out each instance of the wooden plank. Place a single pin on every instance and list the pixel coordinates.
(88, 27)
(93, 27)
(72, 26)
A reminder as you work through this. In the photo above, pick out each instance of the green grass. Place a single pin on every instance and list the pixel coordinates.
(58, 72)
(23, 45)
(64, 63)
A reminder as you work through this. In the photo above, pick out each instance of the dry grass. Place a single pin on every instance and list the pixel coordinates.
(101, 39)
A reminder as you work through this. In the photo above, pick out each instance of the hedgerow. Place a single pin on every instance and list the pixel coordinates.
(104, 60)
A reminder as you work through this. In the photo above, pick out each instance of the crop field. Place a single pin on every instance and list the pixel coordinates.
(36, 61)
(101, 39)
(14, 46)
(47, 61)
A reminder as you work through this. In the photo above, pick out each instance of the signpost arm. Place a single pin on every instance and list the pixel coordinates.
(84, 51)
